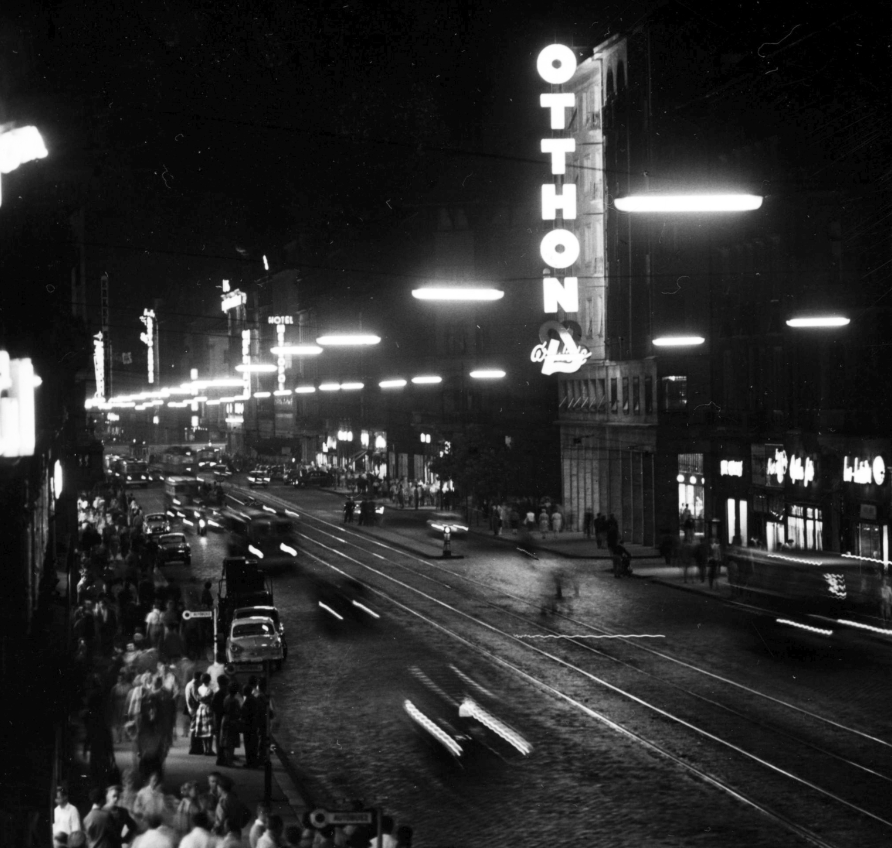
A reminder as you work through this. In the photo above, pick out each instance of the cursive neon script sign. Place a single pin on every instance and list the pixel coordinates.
(864, 471)
(558, 353)
(731, 468)
(559, 248)
(802, 470)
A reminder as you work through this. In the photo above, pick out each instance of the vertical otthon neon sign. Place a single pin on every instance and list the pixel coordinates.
(558, 349)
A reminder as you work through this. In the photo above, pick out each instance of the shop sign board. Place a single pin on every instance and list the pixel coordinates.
(864, 471)
(731, 468)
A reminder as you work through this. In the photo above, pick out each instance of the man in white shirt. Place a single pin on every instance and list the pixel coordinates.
(66, 818)
(200, 836)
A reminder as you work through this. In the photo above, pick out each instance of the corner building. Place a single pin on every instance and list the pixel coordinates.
(750, 429)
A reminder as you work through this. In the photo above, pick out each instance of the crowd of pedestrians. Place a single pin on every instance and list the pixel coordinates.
(206, 814)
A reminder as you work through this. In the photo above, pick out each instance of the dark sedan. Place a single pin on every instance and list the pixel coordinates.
(313, 477)
(173, 547)
(258, 477)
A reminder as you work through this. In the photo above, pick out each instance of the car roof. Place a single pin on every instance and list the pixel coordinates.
(254, 619)
(173, 536)
(235, 612)
(156, 516)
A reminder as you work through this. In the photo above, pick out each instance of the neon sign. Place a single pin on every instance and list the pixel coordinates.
(864, 471)
(731, 468)
(17, 427)
(280, 334)
(280, 319)
(99, 365)
(802, 471)
(777, 467)
(559, 248)
(148, 339)
(234, 299)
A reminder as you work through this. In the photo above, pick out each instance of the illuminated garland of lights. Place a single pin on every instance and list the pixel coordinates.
(884, 562)
(431, 728)
(473, 709)
(819, 630)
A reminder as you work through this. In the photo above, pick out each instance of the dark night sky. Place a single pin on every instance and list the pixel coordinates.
(229, 125)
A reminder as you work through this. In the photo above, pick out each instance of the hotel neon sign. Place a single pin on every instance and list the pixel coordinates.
(558, 350)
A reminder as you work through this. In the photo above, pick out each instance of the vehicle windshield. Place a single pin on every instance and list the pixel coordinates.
(270, 613)
(173, 539)
(156, 516)
(252, 628)
(271, 529)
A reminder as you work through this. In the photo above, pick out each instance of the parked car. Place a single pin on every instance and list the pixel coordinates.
(254, 639)
(258, 477)
(173, 547)
(312, 477)
(265, 612)
(277, 474)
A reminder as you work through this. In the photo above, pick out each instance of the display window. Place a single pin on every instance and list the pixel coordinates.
(805, 527)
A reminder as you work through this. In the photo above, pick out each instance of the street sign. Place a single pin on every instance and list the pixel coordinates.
(187, 614)
(321, 818)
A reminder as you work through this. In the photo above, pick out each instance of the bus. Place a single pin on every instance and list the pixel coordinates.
(266, 536)
(134, 472)
(177, 464)
(183, 496)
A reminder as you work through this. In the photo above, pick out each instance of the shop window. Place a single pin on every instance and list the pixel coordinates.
(675, 393)
(868, 542)
(805, 527)
(691, 490)
(613, 400)
(648, 395)
(636, 392)
(625, 395)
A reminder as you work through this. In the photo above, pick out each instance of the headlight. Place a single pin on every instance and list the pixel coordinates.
(235, 649)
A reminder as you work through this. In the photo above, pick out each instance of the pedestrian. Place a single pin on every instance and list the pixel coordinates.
(250, 723)
(714, 562)
(156, 834)
(600, 525)
(66, 818)
(687, 523)
(701, 554)
(543, 522)
(201, 728)
(200, 835)
(349, 507)
(272, 836)
(150, 800)
(187, 808)
(229, 726)
(886, 601)
(155, 625)
(120, 696)
(259, 825)
(588, 522)
(557, 522)
(231, 811)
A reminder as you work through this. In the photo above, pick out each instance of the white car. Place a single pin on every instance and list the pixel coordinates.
(254, 639)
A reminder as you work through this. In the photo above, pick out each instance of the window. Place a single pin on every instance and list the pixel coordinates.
(613, 400)
(675, 393)
(648, 395)
(625, 395)
(636, 395)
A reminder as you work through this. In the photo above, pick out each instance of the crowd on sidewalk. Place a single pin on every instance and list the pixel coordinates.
(144, 681)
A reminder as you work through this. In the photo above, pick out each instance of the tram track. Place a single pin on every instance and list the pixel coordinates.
(700, 747)
(671, 712)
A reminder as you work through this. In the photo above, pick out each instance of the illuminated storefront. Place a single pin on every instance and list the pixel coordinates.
(732, 496)
(691, 491)
(863, 478)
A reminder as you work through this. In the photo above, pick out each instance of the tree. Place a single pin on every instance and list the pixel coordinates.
(478, 465)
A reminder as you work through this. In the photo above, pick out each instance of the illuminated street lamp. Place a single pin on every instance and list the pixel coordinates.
(487, 374)
(426, 379)
(19, 146)
(457, 293)
(684, 203)
(678, 341)
(392, 384)
(814, 321)
(348, 340)
(296, 350)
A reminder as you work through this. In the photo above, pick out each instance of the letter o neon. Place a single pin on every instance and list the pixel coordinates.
(554, 240)
(879, 470)
(566, 67)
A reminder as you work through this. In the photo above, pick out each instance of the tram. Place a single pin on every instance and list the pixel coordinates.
(809, 582)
